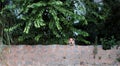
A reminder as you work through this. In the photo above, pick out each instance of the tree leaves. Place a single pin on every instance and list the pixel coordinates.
(11, 29)
(56, 3)
(49, 20)
(56, 19)
(39, 21)
(36, 5)
(27, 28)
(38, 37)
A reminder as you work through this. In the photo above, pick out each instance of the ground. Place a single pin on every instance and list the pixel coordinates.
(57, 55)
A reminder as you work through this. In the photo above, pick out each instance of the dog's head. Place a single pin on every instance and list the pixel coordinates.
(71, 41)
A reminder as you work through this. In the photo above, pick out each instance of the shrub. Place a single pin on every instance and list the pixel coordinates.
(108, 43)
(43, 22)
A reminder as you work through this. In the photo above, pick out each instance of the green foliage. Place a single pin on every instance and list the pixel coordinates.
(112, 23)
(108, 43)
(41, 22)
(118, 59)
(96, 14)
(52, 21)
(96, 11)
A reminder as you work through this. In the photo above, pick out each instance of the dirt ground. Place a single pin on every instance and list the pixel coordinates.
(58, 55)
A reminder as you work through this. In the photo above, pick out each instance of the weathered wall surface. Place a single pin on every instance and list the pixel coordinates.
(57, 55)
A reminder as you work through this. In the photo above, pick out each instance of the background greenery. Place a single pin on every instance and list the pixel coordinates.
(53, 21)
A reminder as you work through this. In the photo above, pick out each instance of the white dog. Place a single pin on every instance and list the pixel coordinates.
(71, 41)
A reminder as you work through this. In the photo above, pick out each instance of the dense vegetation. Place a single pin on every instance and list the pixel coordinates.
(54, 21)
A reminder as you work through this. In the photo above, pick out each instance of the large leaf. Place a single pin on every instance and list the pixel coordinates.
(36, 5)
(56, 3)
(56, 19)
(27, 28)
(11, 29)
